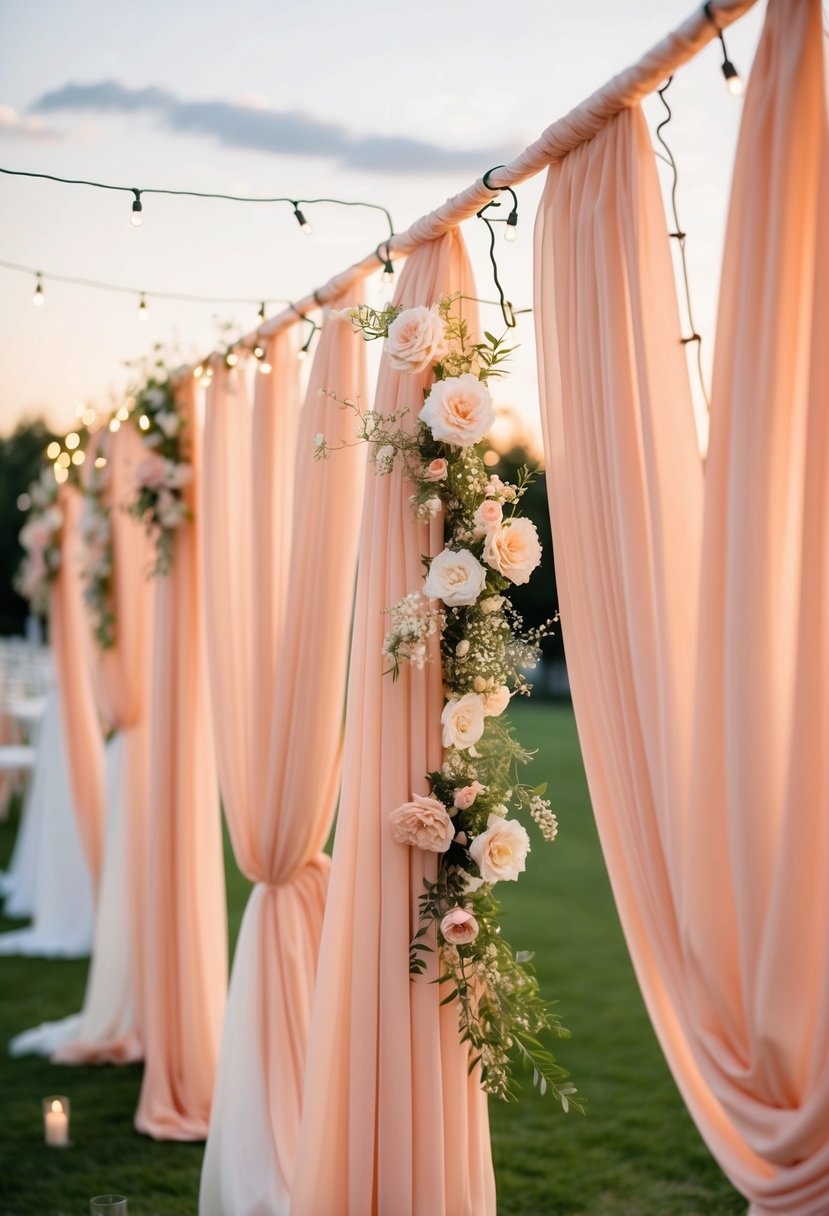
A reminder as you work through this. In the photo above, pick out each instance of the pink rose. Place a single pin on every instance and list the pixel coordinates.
(458, 410)
(513, 549)
(423, 822)
(488, 516)
(416, 339)
(466, 795)
(496, 702)
(178, 475)
(436, 470)
(459, 927)
(152, 472)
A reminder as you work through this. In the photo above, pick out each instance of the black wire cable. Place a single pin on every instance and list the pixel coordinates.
(138, 291)
(231, 198)
(679, 236)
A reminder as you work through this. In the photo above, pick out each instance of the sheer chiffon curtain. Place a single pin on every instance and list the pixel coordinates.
(281, 545)
(695, 618)
(105, 1029)
(180, 903)
(392, 1125)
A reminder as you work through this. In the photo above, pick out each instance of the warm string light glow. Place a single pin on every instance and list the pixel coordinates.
(39, 298)
(302, 221)
(733, 80)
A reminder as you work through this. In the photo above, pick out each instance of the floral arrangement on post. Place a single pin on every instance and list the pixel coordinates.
(465, 817)
(41, 537)
(165, 471)
(97, 559)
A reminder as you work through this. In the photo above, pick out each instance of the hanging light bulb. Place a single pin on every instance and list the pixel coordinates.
(114, 424)
(261, 313)
(302, 221)
(144, 422)
(61, 474)
(231, 358)
(137, 217)
(259, 355)
(143, 309)
(302, 353)
(511, 228)
(198, 371)
(78, 457)
(89, 416)
(39, 298)
(72, 440)
(733, 80)
(53, 450)
(100, 462)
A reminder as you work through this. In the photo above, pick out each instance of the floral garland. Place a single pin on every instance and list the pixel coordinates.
(465, 816)
(164, 472)
(97, 560)
(41, 537)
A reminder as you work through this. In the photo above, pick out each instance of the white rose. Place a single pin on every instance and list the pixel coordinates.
(423, 822)
(463, 721)
(492, 603)
(416, 339)
(500, 852)
(458, 410)
(456, 577)
(462, 648)
(168, 421)
(513, 549)
(496, 702)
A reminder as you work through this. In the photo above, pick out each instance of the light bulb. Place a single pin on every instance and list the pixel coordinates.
(89, 416)
(39, 298)
(114, 425)
(302, 353)
(137, 217)
(143, 310)
(733, 80)
(123, 414)
(61, 475)
(78, 457)
(144, 422)
(64, 460)
(198, 371)
(261, 313)
(511, 229)
(72, 440)
(100, 462)
(265, 367)
(231, 358)
(258, 352)
(53, 450)
(302, 221)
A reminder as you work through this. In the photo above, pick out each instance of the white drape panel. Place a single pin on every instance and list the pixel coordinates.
(697, 652)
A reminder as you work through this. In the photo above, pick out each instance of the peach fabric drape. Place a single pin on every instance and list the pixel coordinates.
(280, 585)
(106, 1031)
(392, 1124)
(81, 728)
(695, 617)
(181, 905)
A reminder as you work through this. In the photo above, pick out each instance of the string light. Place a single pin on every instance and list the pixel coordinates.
(64, 460)
(122, 415)
(137, 217)
(231, 358)
(230, 198)
(114, 425)
(302, 221)
(733, 80)
(100, 462)
(304, 350)
(39, 298)
(511, 230)
(144, 422)
(263, 364)
(78, 457)
(261, 313)
(143, 310)
(88, 417)
(53, 450)
(61, 474)
(387, 277)
(72, 440)
(198, 372)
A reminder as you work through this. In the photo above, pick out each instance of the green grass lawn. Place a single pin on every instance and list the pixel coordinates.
(635, 1153)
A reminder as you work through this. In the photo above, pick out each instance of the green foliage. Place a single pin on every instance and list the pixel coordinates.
(21, 455)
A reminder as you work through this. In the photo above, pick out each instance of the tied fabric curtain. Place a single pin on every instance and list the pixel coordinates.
(281, 552)
(81, 727)
(181, 908)
(106, 1028)
(695, 612)
(392, 1124)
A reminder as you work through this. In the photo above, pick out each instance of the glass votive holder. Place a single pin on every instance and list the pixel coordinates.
(108, 1205)
(56, 1121)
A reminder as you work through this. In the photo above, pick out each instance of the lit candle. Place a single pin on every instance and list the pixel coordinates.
(56, 1121)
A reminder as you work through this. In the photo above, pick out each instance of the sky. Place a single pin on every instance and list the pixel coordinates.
(400, 105)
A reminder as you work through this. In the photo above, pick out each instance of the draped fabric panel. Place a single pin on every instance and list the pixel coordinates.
(279, 590)
(81, 727)
(392, 1124)
(105, 1030)
(694, 615)
(181, 905)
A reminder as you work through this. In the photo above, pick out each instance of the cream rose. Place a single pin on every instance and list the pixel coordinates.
(496, 702)
(513, 549)
(458, 410)
(500, 852)
(456, 577)
(416, 339)
(463, 721)
(459, 927)
(488, 516)
(436, 470)
(466, 795)
(423, 822)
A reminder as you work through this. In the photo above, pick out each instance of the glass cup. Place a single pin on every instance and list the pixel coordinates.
(108, 1205)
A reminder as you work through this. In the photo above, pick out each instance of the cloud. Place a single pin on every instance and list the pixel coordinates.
(272, 131)
(11, 123)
